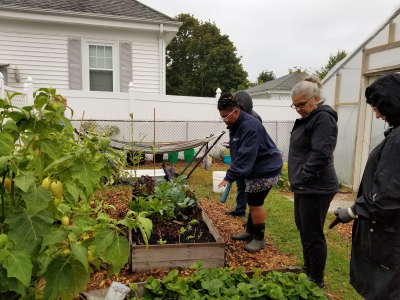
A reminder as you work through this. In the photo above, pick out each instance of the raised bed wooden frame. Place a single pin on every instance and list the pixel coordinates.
(173, 256)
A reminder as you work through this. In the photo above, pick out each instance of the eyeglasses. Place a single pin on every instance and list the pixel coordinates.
(301, 105)
(226, 118)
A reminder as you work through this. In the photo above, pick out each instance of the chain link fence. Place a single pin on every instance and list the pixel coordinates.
(169, 131)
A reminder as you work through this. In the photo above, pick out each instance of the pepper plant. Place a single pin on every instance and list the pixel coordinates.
(50, 237)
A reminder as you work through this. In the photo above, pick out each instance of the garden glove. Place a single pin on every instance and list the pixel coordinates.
(343, 215)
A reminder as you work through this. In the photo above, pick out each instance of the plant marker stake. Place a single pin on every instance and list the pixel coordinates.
(80, 127)
(226, 192)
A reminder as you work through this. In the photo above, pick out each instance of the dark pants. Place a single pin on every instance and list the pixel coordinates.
(241, 198)
(309, 214)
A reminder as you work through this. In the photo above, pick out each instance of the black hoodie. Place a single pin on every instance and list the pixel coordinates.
(310, 162)
(246, 103)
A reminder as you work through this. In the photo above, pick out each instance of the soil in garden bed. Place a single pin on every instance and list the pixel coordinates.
(171, 233)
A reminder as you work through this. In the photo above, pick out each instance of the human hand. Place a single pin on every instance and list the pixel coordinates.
(343, 215)
(223, 183)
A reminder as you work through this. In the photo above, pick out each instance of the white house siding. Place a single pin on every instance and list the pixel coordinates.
(43, 57)
(40, 51)
(146, 66)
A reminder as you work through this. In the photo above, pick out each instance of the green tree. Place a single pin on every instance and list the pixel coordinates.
(266, 76)
(200, 59)
(299, 70)
(333, 60)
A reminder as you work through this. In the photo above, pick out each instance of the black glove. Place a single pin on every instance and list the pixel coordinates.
(343, 215)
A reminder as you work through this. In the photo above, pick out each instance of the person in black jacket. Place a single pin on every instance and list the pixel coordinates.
(311, 172)
(375, 253)
(255, 159)
(246, 103)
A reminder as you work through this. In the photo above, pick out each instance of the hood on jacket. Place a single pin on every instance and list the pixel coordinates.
(244, 100)
(384, 94)
(323, 107)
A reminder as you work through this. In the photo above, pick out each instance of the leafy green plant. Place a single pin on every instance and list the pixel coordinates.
(161, 241)
(283, 181)
(182, 230)
(171, 199)
(39, 152)
(230, 283)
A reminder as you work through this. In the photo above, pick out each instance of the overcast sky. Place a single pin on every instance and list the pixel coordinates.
(280, 34)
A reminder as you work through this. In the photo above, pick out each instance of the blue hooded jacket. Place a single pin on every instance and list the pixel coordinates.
(253, 153)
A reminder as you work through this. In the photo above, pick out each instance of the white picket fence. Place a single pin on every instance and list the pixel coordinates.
(146, 106)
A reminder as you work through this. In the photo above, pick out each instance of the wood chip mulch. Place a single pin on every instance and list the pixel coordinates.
(345, 230)
(236, 256)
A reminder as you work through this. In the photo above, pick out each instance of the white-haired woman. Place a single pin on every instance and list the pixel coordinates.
(311, 172)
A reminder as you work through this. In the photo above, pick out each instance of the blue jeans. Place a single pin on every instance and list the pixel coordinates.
(241, 198)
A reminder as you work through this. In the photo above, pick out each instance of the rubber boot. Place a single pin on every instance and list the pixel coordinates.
(248, 235)
(258, 241)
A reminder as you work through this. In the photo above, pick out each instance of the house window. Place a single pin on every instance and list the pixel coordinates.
(101, 68)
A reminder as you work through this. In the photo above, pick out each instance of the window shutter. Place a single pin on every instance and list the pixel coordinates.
(75, 64)
(125, 59)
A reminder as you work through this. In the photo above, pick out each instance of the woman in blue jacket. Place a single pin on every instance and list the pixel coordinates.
(256, 159)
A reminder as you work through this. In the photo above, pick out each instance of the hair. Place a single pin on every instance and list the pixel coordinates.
(310, 86)
(60, 99)
(227, 101)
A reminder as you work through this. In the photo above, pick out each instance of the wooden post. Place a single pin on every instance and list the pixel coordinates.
(131, 95)
(337, 92)
(392, 31)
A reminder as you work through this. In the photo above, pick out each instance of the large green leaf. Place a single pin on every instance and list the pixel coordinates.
(58, 277)
(81, 254)
(19, 265)
(25, 181)
(51, 148)
(4, 161)
(58, 162)
(104, 143)
(36, 198)
(73, 193)
(79, 279)
(54, 237)
(103, 239)
(86, 174)
(6, 144)
(10, 283)
(45, 259)
(117, 254)
(28, 231)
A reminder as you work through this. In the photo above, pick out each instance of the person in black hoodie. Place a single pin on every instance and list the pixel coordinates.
(311, 172)
(246, 103)
(255, 159)
(375, 253)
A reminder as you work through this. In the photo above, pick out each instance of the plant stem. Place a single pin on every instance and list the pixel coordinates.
(3, 209)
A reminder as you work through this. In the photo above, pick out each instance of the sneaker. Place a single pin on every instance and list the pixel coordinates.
(245, 236)
(235, 214)
(255, 246)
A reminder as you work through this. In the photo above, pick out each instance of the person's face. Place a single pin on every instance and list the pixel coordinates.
(304, 106)
(378, 115)
(229, 116)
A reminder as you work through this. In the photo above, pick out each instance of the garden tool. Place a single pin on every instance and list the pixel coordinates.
(226, 192)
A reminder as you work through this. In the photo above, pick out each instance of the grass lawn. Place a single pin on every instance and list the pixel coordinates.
(282, 232)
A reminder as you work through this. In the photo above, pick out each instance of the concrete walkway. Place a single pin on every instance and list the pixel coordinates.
(340, 200)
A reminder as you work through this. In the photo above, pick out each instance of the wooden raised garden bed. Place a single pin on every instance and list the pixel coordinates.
(172, 256)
